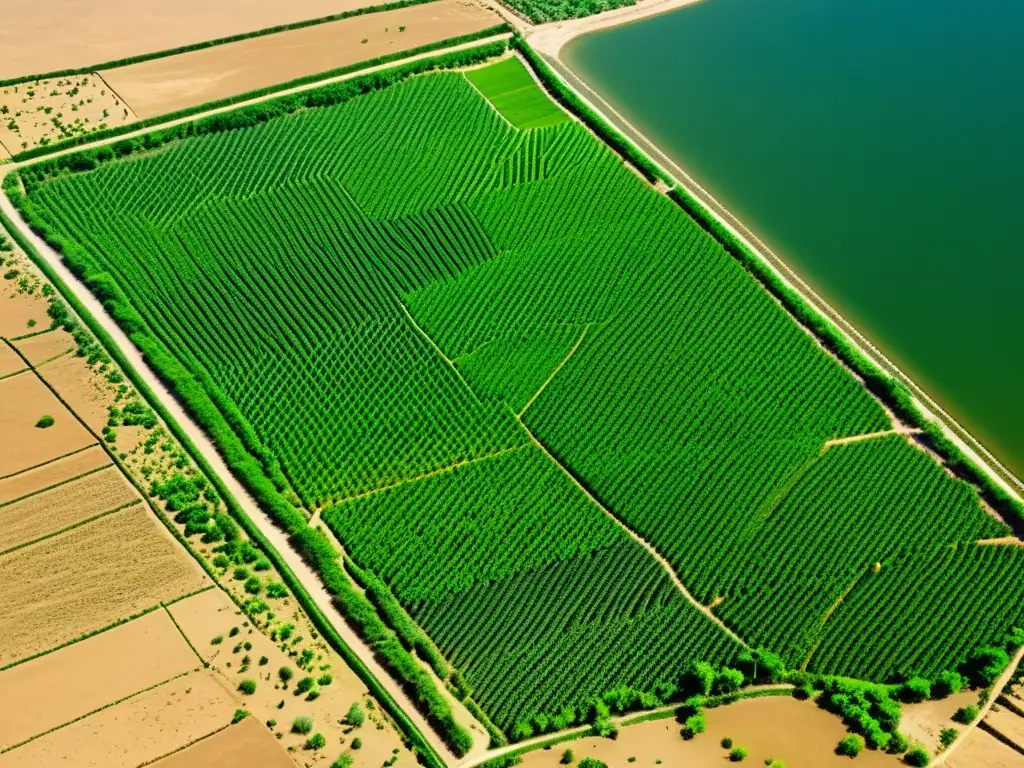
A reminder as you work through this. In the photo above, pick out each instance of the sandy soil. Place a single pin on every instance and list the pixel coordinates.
(779, 727)
(20, 313)
(9, 361)
(45, 346)
(40, 36)
(245, 745)
(85, 391)
(46, 111)
(169, 84)
(142, 728)
(61, 686)
(85, 579)
(64, 506)
(925, 721)
(1008, 723)
(982, 750)
(211, 614)
(23, 400)
(58, 471)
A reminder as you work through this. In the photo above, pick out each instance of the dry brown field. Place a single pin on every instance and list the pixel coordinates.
(23, 400)
(9, 361)
(59, 687)
(55, 472)
(39, 36)
(922, 723)
(87, 578)
(64, 506)
(165, 85)
(982, 750)
(777, 727)
(46, 346)
(1008, 723)
(87, 393)
(247, 744)
(211, 614)
(140, 729)
(20, 313)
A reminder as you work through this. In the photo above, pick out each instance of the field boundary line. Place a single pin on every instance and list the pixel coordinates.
(79, 524)
(820, 632)
(96, 711)
(11, 376)
(997, 734)
(57, 485)
(426, 337)
(32, 335)
(48, 461)
(779, 494)
(53, 359)
(193, 742)
(996, 688)
(554, 373)
(204, 662)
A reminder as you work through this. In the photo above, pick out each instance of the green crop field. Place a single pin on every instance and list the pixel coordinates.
(486, 351)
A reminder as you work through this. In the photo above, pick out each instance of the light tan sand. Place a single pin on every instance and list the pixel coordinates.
(88, 578)
(169, 84)
(778, 727)
(982, 750)
(1008, 723)
(62, 507)
(17, 311)
(9, 361)
(85, 391)
(23, 400)
(45, 346)
(210, 614)
(56, 688)
(50, 474)
(40, 36)
(248, 744)
(922, 723)
(142, 728)
(81, 104)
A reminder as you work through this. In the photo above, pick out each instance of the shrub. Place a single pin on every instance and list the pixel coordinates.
(567, 757)
(313, 695)
(276, 589)
(985, 665)
(264, 661)
(221, 561)
(726, 743)
(590, 762)
(316, 741)
(357, 743)
(917, 756)
(217, 640)
(304, 685)
(345, 761)
(966, 715)
(253, 585)
(247, 686)
(850, 746)
(948, 736)
(694, 724)
(355, 715)
(325, 679)
(45, 422)
(946, 684)
(302, 725)
(241, 574)
(738, 754)
(239, 716)
(915, 690)
(897, 744)
(285, 673)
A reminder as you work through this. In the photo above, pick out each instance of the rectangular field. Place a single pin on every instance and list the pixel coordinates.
(56, 688)
(176, 82)
(45, 346)
(486, 351)
(140, 729)
(59, 471)
(61, 588)
(248, 744)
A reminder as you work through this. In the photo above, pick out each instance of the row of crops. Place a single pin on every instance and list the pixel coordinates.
(373, 292)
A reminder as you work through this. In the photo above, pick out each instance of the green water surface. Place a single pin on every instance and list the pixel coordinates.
(877, 146)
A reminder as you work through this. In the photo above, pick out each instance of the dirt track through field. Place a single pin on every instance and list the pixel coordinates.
(61, 686)
(169, 84)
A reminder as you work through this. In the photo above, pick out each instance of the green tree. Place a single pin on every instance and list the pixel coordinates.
(738, 754)
(355, 715)
(917, 756)
(915, 690)
(567, 757)
(850, 746)
(316, 741)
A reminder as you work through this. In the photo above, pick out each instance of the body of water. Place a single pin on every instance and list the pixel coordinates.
(878, 147)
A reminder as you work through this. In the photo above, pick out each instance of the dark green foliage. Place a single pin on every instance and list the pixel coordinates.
(302, 725)
(355, 715)
(247, 686)
(240, 715)
(850, 746)
(917, 756)
(316, 741)
(590, 762)
(45, 422)
(915, 690)
(966, 715)
(948, 736)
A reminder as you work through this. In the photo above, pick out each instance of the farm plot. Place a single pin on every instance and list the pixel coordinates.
(64, 685)
(87, 578)
(45, 347)
(512, 91)
(246, 745)
(491, 349)
(59, 471)
(9, 362)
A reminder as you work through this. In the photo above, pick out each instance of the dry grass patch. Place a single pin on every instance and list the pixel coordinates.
(64, 506)
(46, 346)
(61, 686)
(246, 745)
(38, 37)
(176, 82)
(33, 480)
(143, 728)
(81, 387)
(23, 401)
(61, 588)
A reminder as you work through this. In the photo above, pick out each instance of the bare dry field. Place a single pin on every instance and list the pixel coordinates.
(165, 85)
(211, 614)
(55, 472)
(85, 391)
(23, 400)
(87, 578)
(143, 728)
(40, 112)
(56, 688)
(40, 36)
(924, 722)
(9, 361)
(20, 313)
(64, 506)
(777, 727)
(982, 750)
(46, 346)
(248, 744)
(1009, 724)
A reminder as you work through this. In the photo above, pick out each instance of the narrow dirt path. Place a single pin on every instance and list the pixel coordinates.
(306, 575)
(1002, 541)
(555, 372)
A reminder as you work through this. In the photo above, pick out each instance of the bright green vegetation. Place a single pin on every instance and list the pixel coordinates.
(483, 352)
(540, 11)
(512, 91)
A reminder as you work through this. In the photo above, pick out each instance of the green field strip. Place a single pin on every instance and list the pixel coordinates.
(510, 88)
(79, 524)
(56, 485)
(31, 335)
